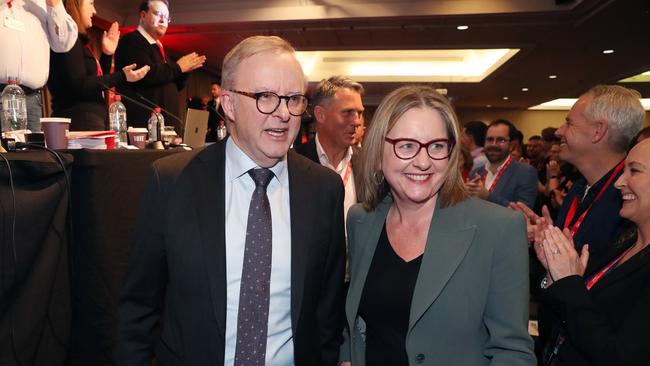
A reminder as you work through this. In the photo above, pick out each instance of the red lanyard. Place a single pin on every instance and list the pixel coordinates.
(574, 204)
(162, 50)
(99, 67)
(600, 274)
(347, 172)
(499, 174)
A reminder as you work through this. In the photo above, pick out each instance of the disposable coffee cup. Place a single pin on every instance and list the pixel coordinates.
(137, 137)
(56, 132)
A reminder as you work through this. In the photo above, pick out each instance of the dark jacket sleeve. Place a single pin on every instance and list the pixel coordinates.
(78, 78)
(134, 49)
(332, 298)
(140, 306)
(591, 331)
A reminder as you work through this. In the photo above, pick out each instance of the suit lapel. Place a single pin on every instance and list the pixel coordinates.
(639, 261)
(504, 181)
(447, 245)
(209, 198)
(301, 216)
(373, 225)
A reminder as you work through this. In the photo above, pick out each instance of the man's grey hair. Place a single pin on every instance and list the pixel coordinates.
(327, 88)
(247, 48)
(621, 108)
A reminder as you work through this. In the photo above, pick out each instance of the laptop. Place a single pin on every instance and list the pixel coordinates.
(196, 126)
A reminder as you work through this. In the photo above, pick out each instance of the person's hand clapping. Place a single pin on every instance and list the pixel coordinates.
(133, 75)
(190, 62)
(562, 260)
(534, 224)
(110, 39)
(477, 188)
(52, 3)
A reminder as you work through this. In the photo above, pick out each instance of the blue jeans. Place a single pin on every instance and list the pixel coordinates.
(34, 112)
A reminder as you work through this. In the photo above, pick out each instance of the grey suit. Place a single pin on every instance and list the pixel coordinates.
(518, 183)
(470, 304)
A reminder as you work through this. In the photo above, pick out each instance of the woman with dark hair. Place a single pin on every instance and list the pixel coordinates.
(602, 305)
(437, 277)
(79, 77)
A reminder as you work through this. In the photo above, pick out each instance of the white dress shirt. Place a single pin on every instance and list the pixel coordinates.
(489, 178)
(340, 169)
(239, 189)
(28, 30)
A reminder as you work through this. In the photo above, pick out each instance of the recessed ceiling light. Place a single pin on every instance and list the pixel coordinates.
(552, 76)
(505, 98)
(524, 89)
(489, 106)
(462, 27)
(607, 52)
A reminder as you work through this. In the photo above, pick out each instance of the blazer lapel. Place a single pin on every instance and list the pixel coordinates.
(209, 198)
(301, 215)
(640, 260)
(373, 225)
(447, 244)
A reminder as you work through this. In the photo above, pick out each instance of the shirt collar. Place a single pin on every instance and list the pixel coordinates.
(240, 164)
(488, 165)
(146, 35)
(322, 156)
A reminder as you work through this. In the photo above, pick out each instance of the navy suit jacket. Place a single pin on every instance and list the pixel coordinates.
(177, 267)
(518, 183)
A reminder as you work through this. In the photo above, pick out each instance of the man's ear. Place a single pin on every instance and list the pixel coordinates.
(142, 14)
(319, 114)
(600, 131)
(227, 103)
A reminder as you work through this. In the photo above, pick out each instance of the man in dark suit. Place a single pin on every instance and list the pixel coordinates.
(338, 111)
(503, 180)
(211, 242)
(216, 112)
(166, 77)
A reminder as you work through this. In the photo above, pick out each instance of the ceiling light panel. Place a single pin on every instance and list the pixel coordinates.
(469, 65)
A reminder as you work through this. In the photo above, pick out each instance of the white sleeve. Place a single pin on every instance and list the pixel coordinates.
(61, 29)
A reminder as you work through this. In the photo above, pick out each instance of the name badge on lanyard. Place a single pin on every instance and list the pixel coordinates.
(11, 22)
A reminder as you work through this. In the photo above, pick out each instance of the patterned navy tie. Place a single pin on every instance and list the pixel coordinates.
(253, 316)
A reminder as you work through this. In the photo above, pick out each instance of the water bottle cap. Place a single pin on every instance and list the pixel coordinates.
(117, 98)
(157, 109)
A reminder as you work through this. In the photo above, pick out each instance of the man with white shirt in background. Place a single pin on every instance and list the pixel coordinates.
(28, 31)
(338, 112)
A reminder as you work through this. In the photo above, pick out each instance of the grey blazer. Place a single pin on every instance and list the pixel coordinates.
(518, 183)
(470, 303)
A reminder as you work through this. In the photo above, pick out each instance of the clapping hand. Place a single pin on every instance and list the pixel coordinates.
(476, 187)
(110, 39)
(53, 3)
(562, 260)
(191, 61)
(133, 75)
(534, 224)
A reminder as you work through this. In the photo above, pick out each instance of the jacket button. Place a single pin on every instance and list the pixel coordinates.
(419, 358)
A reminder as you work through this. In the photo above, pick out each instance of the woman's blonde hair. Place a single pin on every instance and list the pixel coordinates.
(73, 8)
(373, 187)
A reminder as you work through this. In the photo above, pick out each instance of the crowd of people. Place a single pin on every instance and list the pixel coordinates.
(406, 243)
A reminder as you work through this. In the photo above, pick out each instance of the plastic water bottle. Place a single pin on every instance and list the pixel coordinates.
(156, 125)
(14, 107)
(117, 117)
(221, 131)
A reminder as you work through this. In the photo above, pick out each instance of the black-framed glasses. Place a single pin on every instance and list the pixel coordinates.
(268, 102)
(496, 140)
(437, 149)
(160, 15)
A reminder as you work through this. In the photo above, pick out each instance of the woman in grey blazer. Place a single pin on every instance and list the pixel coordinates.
(437, 278)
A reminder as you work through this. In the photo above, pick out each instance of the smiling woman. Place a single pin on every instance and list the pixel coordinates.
(436, 276)
(602, 306)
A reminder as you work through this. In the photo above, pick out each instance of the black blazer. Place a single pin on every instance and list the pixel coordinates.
(308, 150)
(178, 264)
(161, 84)
(607, 325)
(77, 90)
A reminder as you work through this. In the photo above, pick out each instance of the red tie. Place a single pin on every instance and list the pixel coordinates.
(162, 50)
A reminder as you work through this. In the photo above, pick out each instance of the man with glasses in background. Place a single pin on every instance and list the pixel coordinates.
(235, 255)
(166, 77)
(503, 180)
